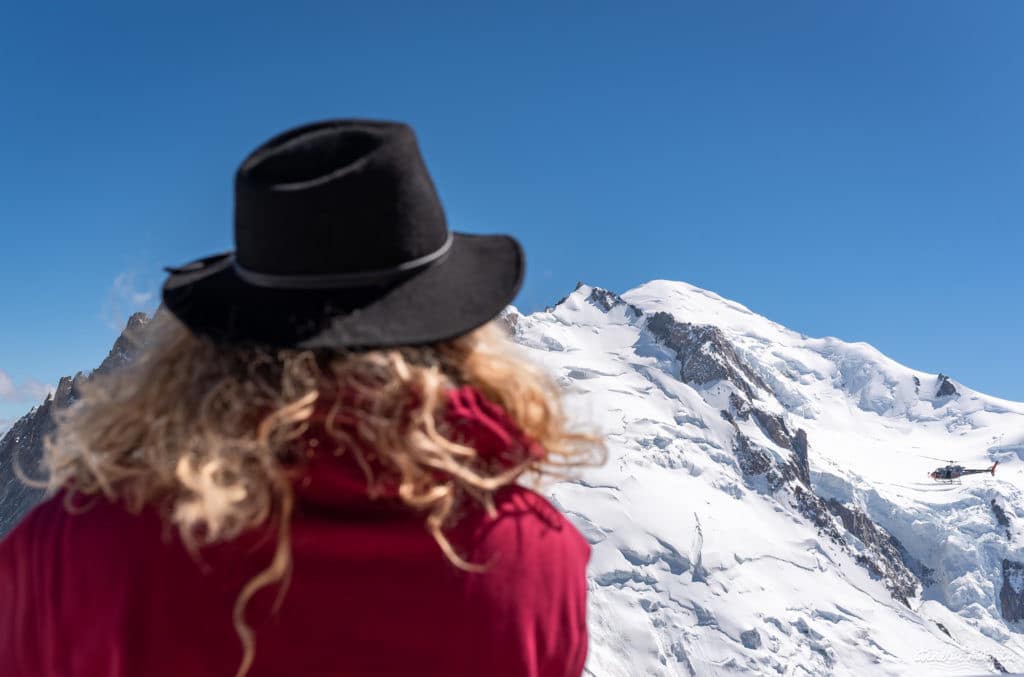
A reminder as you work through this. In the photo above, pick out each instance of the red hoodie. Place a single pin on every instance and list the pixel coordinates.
(112, 594)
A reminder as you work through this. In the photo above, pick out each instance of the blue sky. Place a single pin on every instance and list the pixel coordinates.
(846, 169)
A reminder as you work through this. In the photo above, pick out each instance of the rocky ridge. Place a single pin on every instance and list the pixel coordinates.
(21, 448)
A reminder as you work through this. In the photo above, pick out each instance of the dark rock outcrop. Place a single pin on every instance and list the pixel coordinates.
(603, 298)
(946, 387)
(1011, 594)
(704, 354)
(882, 554)
(775, 428)
(999, 667)
(21, 448)
(510, 322)
(885, 557)
(800, 449)
(1001, 517)
(20, 451)
(751, 639)
(816, 510)
(757, 462)
(127, 345)
(606, 300)
(739, 407)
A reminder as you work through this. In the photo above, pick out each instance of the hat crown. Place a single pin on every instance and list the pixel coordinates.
(336, 197)
(342, 244)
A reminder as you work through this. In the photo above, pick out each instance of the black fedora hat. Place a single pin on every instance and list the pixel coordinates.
(341, 242)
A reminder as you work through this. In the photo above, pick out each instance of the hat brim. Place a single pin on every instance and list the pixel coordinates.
(478, 278)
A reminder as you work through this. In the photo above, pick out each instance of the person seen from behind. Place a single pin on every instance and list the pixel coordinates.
(317, 464)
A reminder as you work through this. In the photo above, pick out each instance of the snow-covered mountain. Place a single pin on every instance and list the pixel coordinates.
(765, 507)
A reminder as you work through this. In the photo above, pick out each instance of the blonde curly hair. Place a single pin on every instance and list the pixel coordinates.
(208, 433)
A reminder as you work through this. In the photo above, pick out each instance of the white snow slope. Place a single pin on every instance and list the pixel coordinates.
(701, 568)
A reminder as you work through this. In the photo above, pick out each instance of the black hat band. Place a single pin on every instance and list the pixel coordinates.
(362, 278)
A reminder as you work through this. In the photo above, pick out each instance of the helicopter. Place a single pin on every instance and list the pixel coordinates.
(954, 471)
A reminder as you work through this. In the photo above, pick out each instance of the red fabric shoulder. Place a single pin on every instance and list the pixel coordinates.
(488, 428)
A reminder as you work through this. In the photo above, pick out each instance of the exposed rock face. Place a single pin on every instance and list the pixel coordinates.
(946, 387)
(1001, 517)
(22, 446)
(774, 426)
(510, 321)
(704, 353)
(21, 451)
(800, 448)
(879, 551)
(606, 300)
(816, 510)
(882, 554)
(127, 345)
(751, 639)
(1011, 595)
(740, 408)
(885, 557)
(756, 462)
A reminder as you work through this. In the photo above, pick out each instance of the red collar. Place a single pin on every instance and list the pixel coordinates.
(331, 476)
